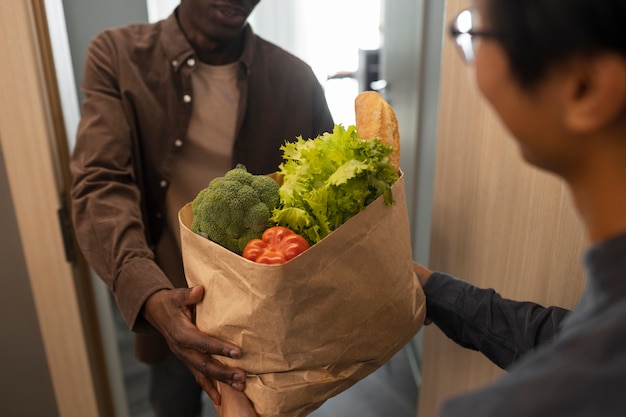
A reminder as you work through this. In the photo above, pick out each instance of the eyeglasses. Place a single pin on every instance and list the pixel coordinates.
(466, 36)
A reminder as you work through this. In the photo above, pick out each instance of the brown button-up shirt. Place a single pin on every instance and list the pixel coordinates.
(137, 107)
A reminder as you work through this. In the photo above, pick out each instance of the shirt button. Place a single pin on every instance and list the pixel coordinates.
(174, 63)
(178, 143)
(158, 216)
(163, 183)
(191, 62)
(187, 98)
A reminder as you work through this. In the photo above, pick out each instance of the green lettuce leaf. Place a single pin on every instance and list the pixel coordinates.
(329, 179)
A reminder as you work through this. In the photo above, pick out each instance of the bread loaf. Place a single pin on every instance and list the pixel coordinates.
(376, 119)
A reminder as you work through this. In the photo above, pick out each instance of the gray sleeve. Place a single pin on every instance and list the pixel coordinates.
(480, 319)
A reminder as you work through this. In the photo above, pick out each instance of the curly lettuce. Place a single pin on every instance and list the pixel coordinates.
(329, 179)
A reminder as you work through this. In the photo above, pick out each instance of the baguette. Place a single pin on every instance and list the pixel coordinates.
(375, 118)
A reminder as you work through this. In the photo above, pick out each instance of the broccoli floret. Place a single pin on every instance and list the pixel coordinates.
(266, 189)
(235, 208)
(239, 174)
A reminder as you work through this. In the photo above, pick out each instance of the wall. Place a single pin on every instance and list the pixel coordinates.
(427, 127)
(86, 18)
(83, 20)
(22, 358)
(327, 51)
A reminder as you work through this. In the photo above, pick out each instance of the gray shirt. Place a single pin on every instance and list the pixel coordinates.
(558, 363)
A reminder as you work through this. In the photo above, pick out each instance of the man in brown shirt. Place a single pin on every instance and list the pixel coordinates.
(168, 107)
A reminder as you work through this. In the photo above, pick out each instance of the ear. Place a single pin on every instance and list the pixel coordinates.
(595, 93)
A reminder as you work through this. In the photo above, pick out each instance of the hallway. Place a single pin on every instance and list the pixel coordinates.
(391, 391)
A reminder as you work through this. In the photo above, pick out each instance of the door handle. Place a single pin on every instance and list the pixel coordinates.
(379, 85)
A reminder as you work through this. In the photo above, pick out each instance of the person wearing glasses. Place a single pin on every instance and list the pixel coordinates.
(554, 71)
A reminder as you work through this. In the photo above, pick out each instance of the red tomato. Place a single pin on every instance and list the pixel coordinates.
(277, 245)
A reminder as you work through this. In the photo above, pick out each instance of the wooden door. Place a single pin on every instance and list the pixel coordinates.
(497, 222)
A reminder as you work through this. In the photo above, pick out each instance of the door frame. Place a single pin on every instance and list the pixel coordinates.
(32, 136)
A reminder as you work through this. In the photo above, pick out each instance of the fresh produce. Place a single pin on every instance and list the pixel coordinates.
(329, 179)
(277, 245)
(324, 182)
(235, 208)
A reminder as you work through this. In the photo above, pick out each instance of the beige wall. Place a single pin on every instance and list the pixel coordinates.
(25, 372)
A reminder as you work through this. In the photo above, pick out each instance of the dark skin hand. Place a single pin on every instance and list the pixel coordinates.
(170, 312)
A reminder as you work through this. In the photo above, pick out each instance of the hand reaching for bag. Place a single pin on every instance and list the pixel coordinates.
(170, 312)
(423, 274)
(234, 404)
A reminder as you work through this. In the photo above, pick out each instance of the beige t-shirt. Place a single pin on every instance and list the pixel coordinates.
(206, 153)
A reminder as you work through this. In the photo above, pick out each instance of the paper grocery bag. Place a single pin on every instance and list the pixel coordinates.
(314, 326)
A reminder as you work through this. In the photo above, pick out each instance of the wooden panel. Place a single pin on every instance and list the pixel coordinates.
(497, 222)
(26, 136)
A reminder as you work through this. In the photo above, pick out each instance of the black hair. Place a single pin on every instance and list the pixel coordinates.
(537, 34)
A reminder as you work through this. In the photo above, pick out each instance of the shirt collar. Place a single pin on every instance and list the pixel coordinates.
(249, 49)
(175, 45)
(178, 50)
(606, 263)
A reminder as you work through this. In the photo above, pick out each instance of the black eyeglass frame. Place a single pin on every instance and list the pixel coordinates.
(471, 34)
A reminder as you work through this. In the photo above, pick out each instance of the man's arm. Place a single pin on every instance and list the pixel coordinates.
(109, 226)
(106, 199)
(480, 319)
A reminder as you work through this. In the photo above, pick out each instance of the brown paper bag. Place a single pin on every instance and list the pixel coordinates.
(314, 326)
